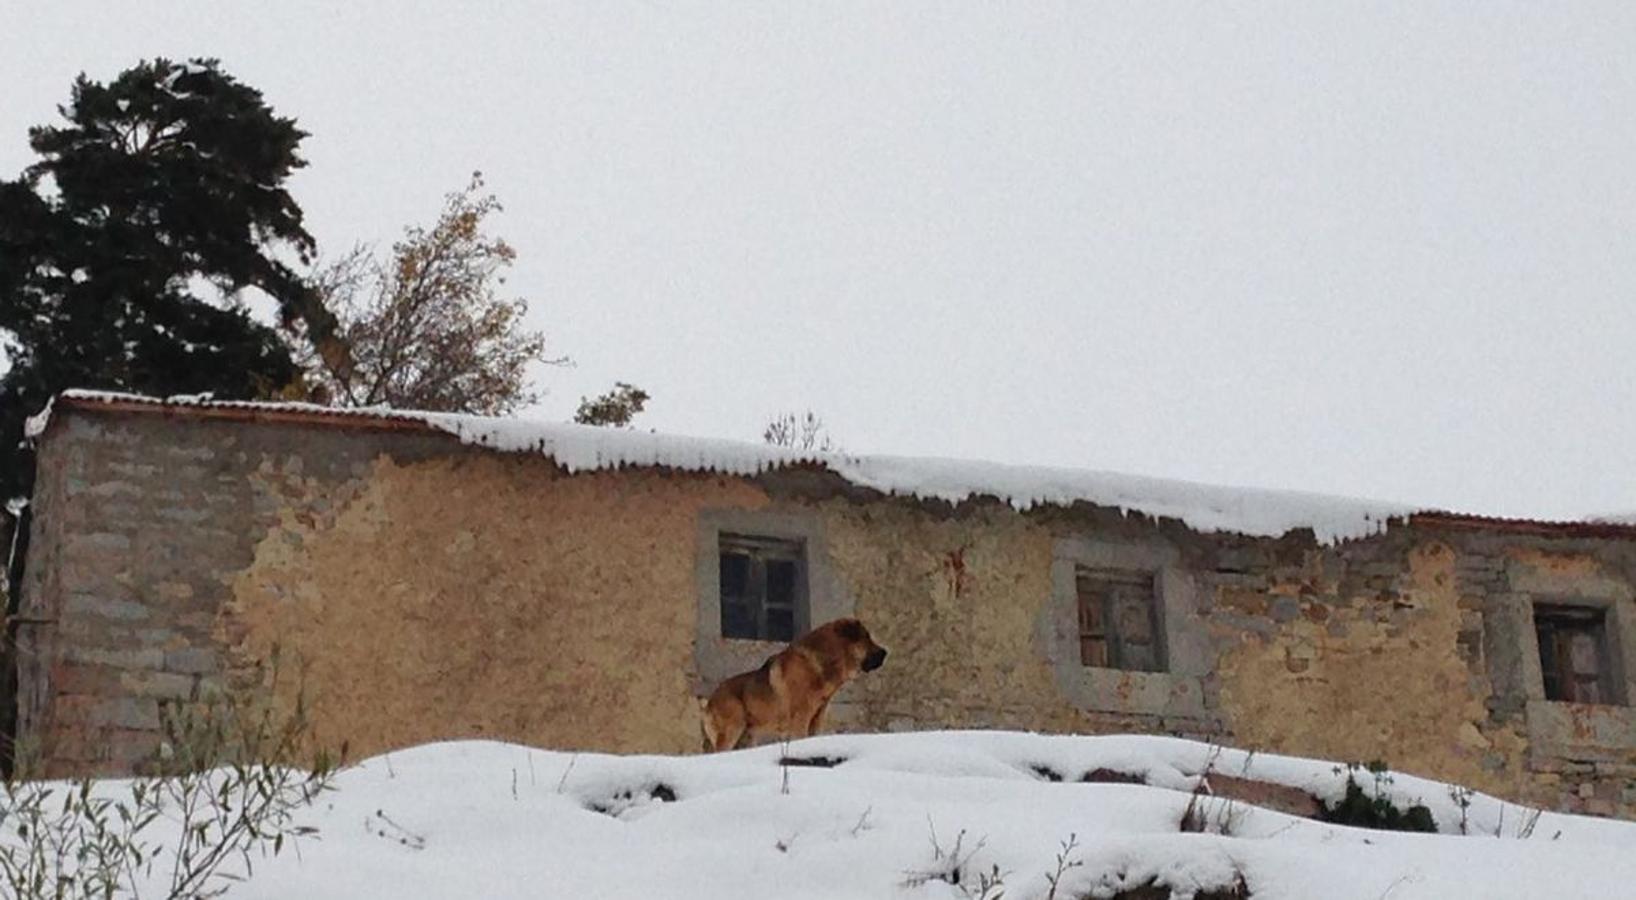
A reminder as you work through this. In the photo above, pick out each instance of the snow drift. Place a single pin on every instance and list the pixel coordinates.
(920, 815)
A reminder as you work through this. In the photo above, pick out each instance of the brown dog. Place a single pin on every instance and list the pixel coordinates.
(788, 695)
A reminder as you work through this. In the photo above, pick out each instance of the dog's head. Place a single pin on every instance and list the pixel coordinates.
(860, 648)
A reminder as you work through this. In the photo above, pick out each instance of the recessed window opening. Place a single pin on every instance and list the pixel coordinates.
(763, 587)
(1573, 653)
(1119, 622)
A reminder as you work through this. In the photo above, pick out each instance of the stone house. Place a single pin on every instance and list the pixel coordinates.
(422, 576)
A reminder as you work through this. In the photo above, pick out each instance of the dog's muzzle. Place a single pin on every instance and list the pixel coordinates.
(874, 659)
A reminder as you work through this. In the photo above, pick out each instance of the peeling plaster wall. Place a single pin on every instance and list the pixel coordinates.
(957, 600)
(1352, 673)
(413, 588)
(482, 596)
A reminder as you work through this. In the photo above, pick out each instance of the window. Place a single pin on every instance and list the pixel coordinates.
(1573, 653)
(1119, 624)
(763, 587)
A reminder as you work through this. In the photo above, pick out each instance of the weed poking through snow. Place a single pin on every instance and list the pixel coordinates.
(953, 866)
(382, 826)
(1064, 865)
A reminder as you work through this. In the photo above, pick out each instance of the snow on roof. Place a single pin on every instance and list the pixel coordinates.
(1628, 518)
(577, 448)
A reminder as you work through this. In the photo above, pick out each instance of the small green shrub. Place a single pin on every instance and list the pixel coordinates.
(1374, 809)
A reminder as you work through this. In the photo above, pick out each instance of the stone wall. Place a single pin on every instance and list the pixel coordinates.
(413, 588)
(139, 527)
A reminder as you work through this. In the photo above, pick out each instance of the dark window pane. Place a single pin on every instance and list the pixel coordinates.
(738, 621)
(735, 574)
(781, 574)
(780, 624)
(1548, 661)
(761, 587)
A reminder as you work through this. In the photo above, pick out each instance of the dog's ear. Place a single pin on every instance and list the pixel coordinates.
(852, 631)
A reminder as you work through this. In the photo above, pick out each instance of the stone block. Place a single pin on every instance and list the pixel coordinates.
(174, 591)
(192, 661)
(1256, 625)
(1246, 601)
(132, 713)
(159, 685)
(1477, 563)
(135, 471)
(83, 679)
(125, 748)
(90, 545)
(141, 658)
(111, 487)
(107, 712)
(1583, 733)
(82, 604)
(185, 515)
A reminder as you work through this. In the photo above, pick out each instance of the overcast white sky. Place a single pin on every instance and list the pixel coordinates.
(1386, 250)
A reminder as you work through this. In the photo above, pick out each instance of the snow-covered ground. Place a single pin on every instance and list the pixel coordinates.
(491, 820)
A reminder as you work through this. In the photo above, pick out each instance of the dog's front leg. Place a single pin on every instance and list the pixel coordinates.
(817, 720)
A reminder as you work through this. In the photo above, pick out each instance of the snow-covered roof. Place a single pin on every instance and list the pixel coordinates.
(577, 448)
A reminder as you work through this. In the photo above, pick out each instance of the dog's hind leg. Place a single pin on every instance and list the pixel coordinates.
(724, 726)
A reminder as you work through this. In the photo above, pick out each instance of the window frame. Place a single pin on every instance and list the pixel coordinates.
(1555, 625)
(760, 550)
(824, 596)
(1115, 653)
(1177, 695)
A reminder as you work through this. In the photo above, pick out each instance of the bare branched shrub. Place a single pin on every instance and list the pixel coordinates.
(1530, 820)
(952, 865)
(1065, 864)
(800, 432)
(225, 793)
(1194, 817)
(230, 786)
(1461, 797)
(428, 328)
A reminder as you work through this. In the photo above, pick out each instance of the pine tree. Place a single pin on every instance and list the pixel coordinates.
(125, 250)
